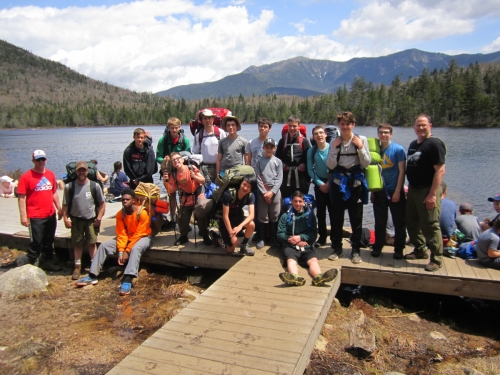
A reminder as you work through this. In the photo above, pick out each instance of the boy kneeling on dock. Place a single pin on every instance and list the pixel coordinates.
(297, 230)
(133, 238)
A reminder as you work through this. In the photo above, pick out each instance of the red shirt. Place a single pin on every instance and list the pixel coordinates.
(39, 189)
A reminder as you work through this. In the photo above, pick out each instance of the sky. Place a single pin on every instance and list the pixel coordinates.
(155, 45)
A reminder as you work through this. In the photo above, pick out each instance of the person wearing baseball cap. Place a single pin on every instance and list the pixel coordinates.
(488, 223)
(38, 203)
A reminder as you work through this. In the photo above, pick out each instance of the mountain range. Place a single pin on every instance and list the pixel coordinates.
(304, 77)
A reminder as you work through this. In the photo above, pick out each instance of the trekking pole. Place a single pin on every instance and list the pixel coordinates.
(194, 229)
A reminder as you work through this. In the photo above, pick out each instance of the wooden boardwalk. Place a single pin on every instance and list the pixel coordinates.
(248, 322)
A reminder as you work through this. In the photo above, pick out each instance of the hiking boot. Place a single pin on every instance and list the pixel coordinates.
(336, 254)
(398, 254)
(22, 260)
(326, 277)
(125, 289)
(181, 240)
(48, 264)
(376, 253)
(87, 280)
(207, 240)
(320, 242)
(432, 267)
(417, 255)
(356, 258)
(290, 279)
(76, 272)
(245, 250)
(214, 236)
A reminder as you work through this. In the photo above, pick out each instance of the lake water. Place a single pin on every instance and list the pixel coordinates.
(472, 172)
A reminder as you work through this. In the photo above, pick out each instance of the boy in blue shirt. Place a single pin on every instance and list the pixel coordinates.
(319, 173)
(392, 197)
(297, 231)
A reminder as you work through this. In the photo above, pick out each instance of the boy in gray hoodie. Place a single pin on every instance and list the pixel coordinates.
(269, 172)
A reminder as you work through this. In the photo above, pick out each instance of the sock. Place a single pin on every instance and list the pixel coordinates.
(92, 276)
(245, 240)
(320, 275)
(295, 274)
(78, 262)
(127, 279)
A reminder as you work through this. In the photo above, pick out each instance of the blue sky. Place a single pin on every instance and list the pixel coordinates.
(154, 45)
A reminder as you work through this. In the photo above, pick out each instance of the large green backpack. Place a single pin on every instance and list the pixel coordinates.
(232, 177)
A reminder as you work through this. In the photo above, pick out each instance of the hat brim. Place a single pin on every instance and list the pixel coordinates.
(231, 118)
(493, 199)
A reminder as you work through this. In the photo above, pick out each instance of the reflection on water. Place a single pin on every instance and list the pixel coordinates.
(471, 167)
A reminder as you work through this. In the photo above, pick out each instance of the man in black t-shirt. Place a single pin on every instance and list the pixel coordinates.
(425, 168)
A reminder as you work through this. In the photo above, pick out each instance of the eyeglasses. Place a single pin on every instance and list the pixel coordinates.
(176, 160)
(41, 159)
(384, 133)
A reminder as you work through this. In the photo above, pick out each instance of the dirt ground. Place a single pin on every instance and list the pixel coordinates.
(89, 330)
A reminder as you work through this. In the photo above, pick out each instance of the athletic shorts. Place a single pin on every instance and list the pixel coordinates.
(83, 231)
(235, 221)
(301, 257)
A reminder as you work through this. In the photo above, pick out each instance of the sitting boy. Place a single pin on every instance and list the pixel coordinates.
(132, 240)
(487, 223)
(467, 223)
(487, 247)
(298, 235)
(189, 182)
(232, 219)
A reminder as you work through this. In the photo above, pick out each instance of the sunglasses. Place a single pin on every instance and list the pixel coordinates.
(41, 159)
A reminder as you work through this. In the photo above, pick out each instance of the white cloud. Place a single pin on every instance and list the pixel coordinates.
(155, 45)
(492, 47)
(301, 25)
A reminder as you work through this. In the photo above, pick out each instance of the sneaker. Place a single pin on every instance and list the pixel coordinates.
(260, 244)
(356, 258)
(214, 236)
(87, 280)
(47, 264)
(320, 242)
(450, 252)
(326, 277)
(181, 240)
(245, 250)
(336, 254)
(125, 289)
(207, 240)
(77, 272)
(290, 279)
(398, 254)
(376, 253)
(432, 267)
(417, 255)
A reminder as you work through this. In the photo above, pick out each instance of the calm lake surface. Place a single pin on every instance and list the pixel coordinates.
(472, 172)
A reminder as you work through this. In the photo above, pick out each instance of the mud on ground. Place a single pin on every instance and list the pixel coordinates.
(88, 330)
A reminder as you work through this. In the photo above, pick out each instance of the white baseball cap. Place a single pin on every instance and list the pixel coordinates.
(38, 154)
(6, 179)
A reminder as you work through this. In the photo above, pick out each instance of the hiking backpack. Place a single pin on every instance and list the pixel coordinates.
(309, 206)
(71, 173)
(196, 125)
(149, 194)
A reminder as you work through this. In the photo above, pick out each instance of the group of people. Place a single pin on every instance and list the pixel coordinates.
(283, 169)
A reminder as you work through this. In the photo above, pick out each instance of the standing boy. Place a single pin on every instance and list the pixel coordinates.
(173, 139)
(232, 219)
(133, 238)
(232, 149)
(269, 172)
(139, 160)
(83, 209)
(347, 157)
(292, 151)
(393, 163)
(38, 202)
(298, 234)
(320, 174)
(189, 182)
(206, 143)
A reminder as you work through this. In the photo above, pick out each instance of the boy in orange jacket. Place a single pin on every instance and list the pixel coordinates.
(133, 238)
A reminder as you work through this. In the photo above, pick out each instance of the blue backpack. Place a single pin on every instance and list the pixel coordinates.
(467, 250)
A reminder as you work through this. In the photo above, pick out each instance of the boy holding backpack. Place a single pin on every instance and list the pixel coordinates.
(269, 171)
(189, 182)
(297, 231)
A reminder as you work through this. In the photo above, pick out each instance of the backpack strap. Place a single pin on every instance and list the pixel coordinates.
(202, 132)
(71, 195)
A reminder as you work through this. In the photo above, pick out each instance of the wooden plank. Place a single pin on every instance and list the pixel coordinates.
(194, 315)
(465, 269)
(138, 366)
(452, 267)
(422, 283)
(480, 271)
(256, 314)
